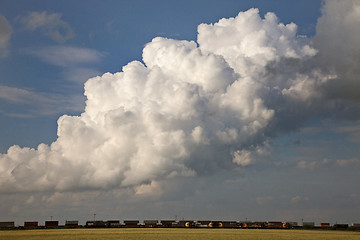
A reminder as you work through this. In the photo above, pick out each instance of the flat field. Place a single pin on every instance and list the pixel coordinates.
(174, 234)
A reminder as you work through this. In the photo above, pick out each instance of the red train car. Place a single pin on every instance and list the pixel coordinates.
(32, 224)
(51, 224)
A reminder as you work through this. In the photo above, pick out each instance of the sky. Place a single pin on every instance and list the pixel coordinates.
(221, 110)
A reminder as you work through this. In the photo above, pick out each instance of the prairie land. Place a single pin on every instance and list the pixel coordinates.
(175, 234)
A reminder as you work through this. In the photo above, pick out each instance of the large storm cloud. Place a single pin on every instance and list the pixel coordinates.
(190, 108)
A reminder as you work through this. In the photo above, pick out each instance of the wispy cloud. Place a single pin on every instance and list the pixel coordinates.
(18, 95)
(5, 34)
(50, 24)
(352, 131)
(67, 56)
(76, 62)
(38, 103)
(306, 165)
(352, 162)
(298, 199)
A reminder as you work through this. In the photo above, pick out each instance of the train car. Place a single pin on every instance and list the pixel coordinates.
(95, 224)
(113, 223)
(244, 224)
(340, 226)
(355, 225)
(186, 224)
(275, 224)
(131, 223)
(216, 224)
(51, 224)
(30, 225)
(202, 224)
(89, 224)
(253, 225)
(71, 224)
(290, 225)
(325, 225)
(7, 225)
(230, 224)
(151, 223)
(167, 223)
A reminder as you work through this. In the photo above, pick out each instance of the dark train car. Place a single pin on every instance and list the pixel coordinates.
(275, 224)
(202, 224)
(230, 224)
(259, 225)
(186, 224)
(245, 224)
(32, 224)
(7, 225)
(355, 225)
(216, 224)
(131, 223)
(340, 226)
(289, 225)
(168, 223)
(89, 224)
(71, 224)
(113, 223)
(51, 224)
(151, 223)
(255, 225)
(95, 224)
(325, 225)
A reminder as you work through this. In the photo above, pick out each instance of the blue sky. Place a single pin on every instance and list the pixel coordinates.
(283, 143)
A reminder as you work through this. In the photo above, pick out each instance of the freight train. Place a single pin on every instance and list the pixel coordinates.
(179, 224)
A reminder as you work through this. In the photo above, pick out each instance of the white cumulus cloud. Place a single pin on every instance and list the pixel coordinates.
(190, 108)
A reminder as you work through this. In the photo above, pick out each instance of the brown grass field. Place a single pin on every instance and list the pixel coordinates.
(174, 234)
